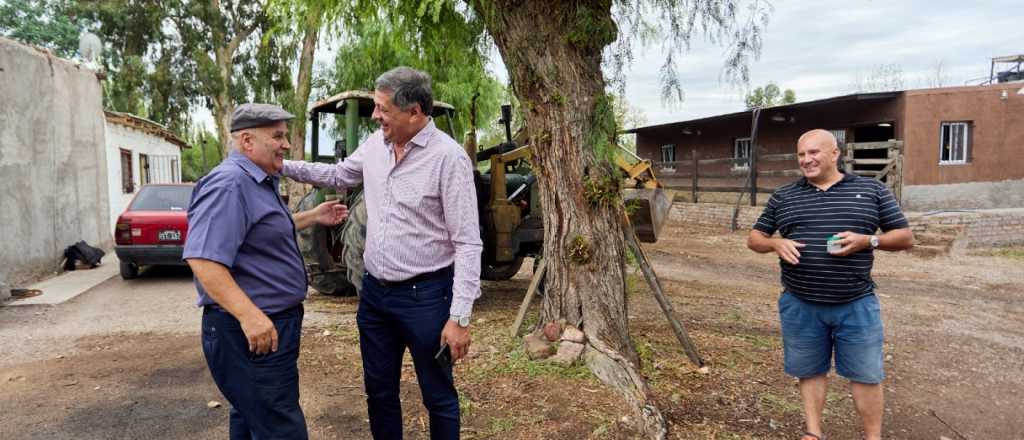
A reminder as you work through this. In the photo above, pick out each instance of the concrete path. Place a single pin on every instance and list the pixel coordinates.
(71, 284)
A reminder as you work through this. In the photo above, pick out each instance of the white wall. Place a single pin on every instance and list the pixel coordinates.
(164, 162)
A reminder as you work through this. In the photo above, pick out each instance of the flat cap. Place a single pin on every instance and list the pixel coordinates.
(257, 115)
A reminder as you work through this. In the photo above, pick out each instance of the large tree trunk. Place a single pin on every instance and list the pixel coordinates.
(302, 90)
(553, 53)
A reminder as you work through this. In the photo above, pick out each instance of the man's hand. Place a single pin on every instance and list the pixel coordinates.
(788, 250)
(852, 243)
(330, 213)
(260, 332)
(457, 338)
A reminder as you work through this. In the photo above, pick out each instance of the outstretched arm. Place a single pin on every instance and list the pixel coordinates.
(328, 213)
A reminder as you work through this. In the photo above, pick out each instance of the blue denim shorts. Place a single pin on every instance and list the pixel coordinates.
(811, 331)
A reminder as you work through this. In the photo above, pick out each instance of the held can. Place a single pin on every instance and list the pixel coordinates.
(832, 244)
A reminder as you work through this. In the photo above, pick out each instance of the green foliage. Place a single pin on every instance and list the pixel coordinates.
(202, 157)
(579, 250)
(769, 96)
(41, 23)
(602, 190)
(431, 35)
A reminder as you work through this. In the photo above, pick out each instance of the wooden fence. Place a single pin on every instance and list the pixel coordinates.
(886, 167)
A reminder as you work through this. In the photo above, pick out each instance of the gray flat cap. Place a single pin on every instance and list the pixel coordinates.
(257, 115)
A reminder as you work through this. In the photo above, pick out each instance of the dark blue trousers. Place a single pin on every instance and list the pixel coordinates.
(263, 389)
(391, 318)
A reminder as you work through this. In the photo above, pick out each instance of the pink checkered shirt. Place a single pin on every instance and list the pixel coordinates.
(421, 212)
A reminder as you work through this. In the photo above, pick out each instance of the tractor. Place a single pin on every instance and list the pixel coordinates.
(511, 220)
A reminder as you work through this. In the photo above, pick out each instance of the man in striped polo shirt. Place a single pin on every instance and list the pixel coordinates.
(828, 303)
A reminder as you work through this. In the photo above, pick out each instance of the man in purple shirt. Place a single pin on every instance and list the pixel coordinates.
(422, 252)
(250, 276)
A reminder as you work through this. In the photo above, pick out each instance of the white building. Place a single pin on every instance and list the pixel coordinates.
(139, 151)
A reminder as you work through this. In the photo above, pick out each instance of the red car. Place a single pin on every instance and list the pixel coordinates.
(153, 228)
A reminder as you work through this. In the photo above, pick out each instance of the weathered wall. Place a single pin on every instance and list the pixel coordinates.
(996, 134)
(52, 162)
(971, 195)
(165, 164)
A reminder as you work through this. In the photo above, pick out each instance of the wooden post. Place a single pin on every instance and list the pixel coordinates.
(753, 175)
(652, 280)
(693, 197)
(537, 276)
(848, 165)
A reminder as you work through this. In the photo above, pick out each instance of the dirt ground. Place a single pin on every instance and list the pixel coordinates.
(123, 361)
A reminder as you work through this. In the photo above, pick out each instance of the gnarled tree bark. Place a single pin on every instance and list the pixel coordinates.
(553, 53)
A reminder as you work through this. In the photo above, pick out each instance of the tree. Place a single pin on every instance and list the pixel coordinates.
(554, 52)
(884, 78)
(769, 96)
(41, 23)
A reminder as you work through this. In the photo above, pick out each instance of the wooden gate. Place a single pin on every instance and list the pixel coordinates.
(884, 162)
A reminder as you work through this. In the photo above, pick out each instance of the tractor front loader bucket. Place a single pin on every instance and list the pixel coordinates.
(648, 210)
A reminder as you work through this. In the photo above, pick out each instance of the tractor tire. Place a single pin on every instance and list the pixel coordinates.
(327, 274)
(129, 271)
(501, 271)
(354, 237)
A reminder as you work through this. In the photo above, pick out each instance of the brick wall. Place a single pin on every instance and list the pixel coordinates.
(983, 228)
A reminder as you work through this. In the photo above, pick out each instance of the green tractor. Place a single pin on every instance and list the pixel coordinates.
(511, 221)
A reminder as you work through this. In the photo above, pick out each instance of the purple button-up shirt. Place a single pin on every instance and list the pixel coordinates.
(421, 212)
(237, 219)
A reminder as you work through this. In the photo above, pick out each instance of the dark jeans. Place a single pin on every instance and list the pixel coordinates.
(391, 318)
(263, 389)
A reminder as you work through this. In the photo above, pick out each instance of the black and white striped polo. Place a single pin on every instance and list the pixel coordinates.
(803, 213)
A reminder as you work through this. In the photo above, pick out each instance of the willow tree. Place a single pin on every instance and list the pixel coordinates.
(555, 53)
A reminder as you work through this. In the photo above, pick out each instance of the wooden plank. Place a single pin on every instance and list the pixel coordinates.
(732, 174)
(780, 173)
(763, 189)
(752, 172)
(872, 161)
(696, 174)
(723, 160)
(869, 145)
(775, 157)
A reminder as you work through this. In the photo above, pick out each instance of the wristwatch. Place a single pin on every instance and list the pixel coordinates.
(462, 321)
(874, 241)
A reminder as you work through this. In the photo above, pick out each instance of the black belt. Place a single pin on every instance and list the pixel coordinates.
(443, 272)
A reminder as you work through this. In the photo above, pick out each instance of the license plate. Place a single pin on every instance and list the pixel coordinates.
(169, 235)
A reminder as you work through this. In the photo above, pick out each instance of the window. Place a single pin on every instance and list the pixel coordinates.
(741, 150)
(175, 178)
(144, 176)
(127, 181)
(668, 153)
(954, 142)
(840, 135)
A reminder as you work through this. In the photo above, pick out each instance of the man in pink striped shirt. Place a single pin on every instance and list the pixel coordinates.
(422, 252)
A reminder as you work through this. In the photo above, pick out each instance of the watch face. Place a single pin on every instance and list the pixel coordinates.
(874, 241)
(464, 321)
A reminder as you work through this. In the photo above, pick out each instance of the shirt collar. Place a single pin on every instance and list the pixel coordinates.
(846, 178)
(248, 166)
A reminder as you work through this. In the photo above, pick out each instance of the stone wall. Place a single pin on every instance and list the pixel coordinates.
(52, 161)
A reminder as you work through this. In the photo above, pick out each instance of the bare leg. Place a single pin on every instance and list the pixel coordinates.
(812, 390)
(869, 401)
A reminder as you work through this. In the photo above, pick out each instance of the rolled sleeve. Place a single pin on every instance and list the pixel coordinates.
(345, 174)
(217, 224)
(458, 199)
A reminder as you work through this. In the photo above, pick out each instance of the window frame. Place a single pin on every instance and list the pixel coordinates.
(127, 172)
(735, 152)
(671, 150)
(965, 136)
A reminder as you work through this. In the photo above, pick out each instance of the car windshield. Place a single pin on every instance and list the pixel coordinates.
(162, 198)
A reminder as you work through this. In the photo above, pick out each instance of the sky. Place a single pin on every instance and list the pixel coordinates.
(819, 48)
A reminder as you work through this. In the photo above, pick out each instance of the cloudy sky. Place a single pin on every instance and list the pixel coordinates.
(818, 48)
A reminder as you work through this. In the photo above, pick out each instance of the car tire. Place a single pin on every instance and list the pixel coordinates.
(129, 270)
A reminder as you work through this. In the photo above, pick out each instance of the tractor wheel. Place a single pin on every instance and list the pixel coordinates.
(354, 237)
(500, 271)
(322, 251)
